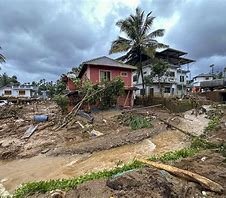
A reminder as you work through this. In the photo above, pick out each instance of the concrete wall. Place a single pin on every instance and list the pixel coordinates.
(115, 72)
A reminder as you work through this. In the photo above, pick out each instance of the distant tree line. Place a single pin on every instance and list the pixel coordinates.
(6, 80)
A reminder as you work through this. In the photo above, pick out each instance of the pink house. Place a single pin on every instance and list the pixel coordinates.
(106, 69)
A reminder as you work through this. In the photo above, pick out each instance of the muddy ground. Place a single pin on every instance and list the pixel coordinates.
(74, 150)
(153, 183)
(74, 138)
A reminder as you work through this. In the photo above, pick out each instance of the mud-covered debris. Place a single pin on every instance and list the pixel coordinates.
(96, 133)
(10, 111)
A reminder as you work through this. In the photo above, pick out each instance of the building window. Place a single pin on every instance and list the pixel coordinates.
(22, 92)
(105, 76)
(172, 74)
(124, 74)
(8, 92)
(181, 78)
(135, 78)
(167, 90)
(207, 78)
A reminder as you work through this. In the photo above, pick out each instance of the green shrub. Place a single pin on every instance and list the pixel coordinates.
(62, 102)
(199, 143)
(135, 121)
(213, 124)
(138, 122)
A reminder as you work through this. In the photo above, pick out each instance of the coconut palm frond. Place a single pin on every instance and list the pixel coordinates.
(139, 41)
(156, 33)
(147, 23)
(2, 58)
(120, 45)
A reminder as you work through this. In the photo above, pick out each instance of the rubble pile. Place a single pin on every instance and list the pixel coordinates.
(9, 111)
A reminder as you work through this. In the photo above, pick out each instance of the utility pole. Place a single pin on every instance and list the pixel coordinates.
(212, 68)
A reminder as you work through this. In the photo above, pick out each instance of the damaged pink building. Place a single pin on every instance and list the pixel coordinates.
(106, 69)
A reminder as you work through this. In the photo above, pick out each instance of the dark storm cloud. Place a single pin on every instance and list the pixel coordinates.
(200, 29)
(161, 8)
(49, 37)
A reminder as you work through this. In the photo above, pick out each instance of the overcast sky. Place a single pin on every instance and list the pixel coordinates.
(45, 38)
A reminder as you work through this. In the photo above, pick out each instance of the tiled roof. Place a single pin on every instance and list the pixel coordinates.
(104, 60)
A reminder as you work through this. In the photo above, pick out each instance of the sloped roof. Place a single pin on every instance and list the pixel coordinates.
(204, 75)
(172, 52)
(105, 61)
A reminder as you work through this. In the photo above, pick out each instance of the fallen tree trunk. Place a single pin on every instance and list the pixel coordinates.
(76, 108)
(203, 181)
(140, 108)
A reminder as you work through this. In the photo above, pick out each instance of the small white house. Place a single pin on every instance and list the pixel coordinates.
(173, 83)
(23, 91)
(200, 78)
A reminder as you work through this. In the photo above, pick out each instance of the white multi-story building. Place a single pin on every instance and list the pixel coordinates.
(175, 80)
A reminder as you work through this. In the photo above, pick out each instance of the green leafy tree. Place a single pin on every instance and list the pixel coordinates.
(76, 70)
(138, 40)
(158, 70)
(5, 80)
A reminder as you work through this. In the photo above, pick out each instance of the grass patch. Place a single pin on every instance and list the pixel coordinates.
(135, 121)
(138, 122)
(196, 145)
(66, 184)
(213, 124)
(175, 155)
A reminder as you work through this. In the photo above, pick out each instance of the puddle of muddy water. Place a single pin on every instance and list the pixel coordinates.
(45, 167)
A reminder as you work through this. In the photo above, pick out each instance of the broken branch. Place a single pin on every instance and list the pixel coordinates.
(203, 181)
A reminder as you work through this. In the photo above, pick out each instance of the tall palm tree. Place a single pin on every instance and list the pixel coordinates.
(2, 58)
(138, 40)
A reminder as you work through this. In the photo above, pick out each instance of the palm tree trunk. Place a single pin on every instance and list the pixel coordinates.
(142, 78)
(142, 74)
(160, 87)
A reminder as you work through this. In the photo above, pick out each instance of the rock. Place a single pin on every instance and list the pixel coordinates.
(3, 192)
(96, 133)
(45, 151)
(58, 194)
